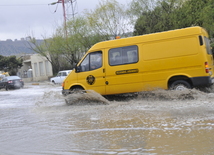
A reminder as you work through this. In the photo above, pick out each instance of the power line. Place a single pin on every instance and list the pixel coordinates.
(23, 5)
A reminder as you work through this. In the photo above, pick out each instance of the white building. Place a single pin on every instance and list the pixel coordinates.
(36, 68)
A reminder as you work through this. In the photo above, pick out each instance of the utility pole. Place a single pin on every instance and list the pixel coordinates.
(66, 6)
(64, 15)
(65, 22)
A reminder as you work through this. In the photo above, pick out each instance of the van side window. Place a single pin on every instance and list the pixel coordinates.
(123, 55)
(91, 62)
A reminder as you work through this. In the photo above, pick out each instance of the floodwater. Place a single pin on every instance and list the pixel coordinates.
(37, 121)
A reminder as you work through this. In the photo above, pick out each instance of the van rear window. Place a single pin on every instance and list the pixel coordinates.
(208, 47)
(123, 55)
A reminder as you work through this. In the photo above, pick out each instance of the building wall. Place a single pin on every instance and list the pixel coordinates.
(41, 68)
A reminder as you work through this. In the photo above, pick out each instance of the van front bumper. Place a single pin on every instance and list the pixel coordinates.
(204, 81)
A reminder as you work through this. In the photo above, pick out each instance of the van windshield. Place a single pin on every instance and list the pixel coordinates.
(207, 42)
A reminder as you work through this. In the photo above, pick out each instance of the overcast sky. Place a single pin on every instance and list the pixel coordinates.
(22, 18)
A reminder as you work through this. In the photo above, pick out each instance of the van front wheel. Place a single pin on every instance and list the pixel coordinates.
(77, 90)
(180, 85)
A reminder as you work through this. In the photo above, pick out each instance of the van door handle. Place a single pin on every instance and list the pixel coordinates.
(106, 82)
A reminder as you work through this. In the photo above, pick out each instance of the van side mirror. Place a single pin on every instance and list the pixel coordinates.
(77, 69)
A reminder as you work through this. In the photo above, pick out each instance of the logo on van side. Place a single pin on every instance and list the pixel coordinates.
(127, 71)
(90, 79)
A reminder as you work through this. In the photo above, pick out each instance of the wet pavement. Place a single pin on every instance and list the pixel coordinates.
(36, 120)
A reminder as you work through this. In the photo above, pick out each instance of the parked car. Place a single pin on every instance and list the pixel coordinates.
(11, 82)
(60, 76)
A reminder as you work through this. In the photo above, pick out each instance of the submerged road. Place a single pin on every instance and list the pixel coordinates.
(36, 120)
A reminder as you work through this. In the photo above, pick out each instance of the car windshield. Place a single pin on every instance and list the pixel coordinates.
(13, 77)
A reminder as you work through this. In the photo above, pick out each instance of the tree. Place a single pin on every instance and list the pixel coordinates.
(67, 46)
(191, 12)
(138, 7)
(207, 16)
(109, 19)
(82, 34)
(174, 14)
(10, 64)
(2, 62)
(43, 48)
(161, 18)
(64, 49)
(78, 39)
(198, 13)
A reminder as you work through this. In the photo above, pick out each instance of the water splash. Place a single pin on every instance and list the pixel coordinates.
(50, 98)
(89, 98)
(160, 94)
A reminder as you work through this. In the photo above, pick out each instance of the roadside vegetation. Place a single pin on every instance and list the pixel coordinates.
(111, 19)
(10, 64)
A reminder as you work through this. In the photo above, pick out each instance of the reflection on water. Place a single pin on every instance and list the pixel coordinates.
(158, 122)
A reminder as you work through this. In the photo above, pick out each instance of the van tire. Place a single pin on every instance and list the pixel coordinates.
(180, 85)
(77, 90)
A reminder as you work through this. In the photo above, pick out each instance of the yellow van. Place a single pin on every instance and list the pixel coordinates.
(174, 59)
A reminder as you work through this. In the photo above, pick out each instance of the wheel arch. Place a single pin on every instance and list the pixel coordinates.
(77, 86)
(179, 77)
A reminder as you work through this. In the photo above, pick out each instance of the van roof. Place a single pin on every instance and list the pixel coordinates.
(149, 37)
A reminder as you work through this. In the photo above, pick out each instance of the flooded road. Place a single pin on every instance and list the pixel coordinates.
(37, 121)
